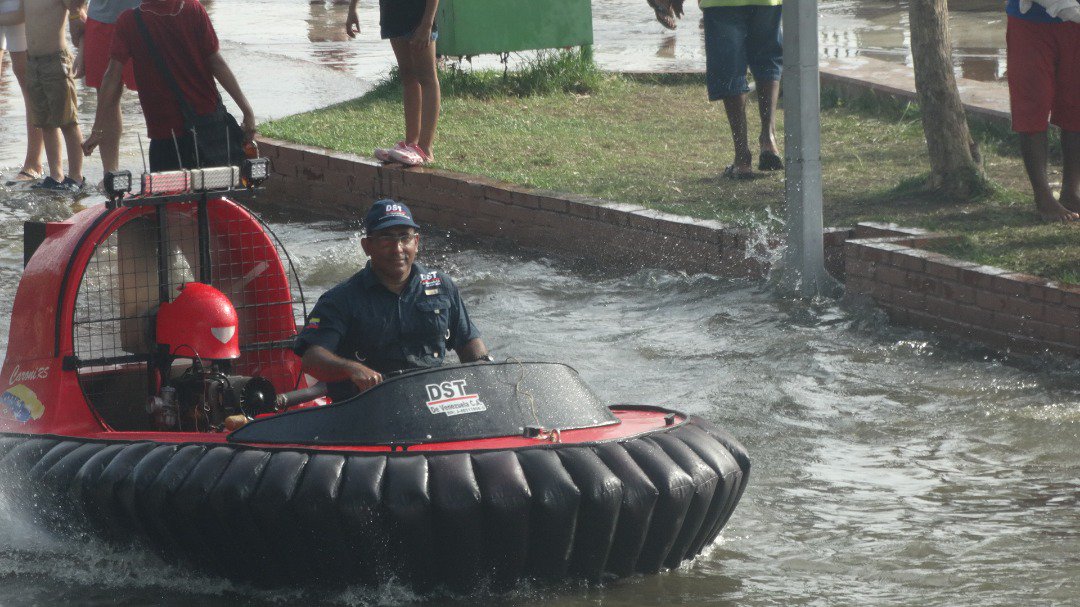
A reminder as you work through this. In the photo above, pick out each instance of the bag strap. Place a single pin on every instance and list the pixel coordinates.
(185, 108)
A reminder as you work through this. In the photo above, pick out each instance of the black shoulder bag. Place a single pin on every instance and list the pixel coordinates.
(218, 138)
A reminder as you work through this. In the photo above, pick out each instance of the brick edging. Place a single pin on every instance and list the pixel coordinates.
(336, 184)
(997, 307)
(886, 263)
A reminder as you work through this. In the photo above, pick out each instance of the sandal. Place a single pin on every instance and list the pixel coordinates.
(770, 161)
(23, 176)
(664, 14)
(732, 173)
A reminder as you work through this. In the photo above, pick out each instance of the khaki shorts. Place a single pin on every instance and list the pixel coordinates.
(51, 89)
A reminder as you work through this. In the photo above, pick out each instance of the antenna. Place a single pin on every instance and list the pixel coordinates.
(195, 145)
(142, 153)
(176, 144)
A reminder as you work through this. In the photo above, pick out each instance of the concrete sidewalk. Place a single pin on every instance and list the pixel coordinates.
(987, 100)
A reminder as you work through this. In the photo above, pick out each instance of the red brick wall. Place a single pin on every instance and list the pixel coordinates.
(1002, 309)
(885, 263)
(343, 185)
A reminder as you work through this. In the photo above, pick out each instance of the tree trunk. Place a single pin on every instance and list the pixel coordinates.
(953, 153)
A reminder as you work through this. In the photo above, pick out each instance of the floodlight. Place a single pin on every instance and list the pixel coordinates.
(117, 183)
(255, 171)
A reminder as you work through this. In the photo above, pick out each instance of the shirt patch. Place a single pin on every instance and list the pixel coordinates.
(430, 280)
(312, 323)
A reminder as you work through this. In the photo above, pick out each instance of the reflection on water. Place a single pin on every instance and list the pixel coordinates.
(890, 468)
(878, 29)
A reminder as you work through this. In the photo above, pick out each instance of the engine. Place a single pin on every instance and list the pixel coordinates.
(203, 397)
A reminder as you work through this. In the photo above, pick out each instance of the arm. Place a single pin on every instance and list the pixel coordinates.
(421, 38)
(76, 20)
(352, 21)
(108, 101)
(473, 350)
(225, 76)
(324, 365)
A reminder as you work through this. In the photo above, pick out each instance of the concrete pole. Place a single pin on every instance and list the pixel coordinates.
(804, 259)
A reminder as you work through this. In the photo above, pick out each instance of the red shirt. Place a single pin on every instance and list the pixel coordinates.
(185, 38)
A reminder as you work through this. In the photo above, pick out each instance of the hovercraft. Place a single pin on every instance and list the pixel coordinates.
(143, 325)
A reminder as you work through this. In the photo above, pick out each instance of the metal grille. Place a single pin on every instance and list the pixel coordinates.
(127, 276)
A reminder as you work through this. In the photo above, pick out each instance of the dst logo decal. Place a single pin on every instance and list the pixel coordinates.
(453, 398)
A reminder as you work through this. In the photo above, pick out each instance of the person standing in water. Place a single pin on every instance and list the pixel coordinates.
(51, 87)
(93, 58)
(13, 39)
(188, 46)
(410, 27)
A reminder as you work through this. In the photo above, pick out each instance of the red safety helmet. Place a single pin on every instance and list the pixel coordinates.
(201, 322)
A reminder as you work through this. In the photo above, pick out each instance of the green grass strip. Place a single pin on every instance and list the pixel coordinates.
(559, 123)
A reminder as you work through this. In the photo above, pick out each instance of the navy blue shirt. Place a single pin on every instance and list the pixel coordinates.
(362, 320)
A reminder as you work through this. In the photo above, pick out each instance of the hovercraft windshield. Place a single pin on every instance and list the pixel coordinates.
(449, 403)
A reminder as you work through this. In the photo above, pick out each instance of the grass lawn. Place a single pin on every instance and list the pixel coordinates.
(659, 143)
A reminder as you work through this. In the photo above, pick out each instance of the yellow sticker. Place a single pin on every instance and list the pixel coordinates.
(21, 403)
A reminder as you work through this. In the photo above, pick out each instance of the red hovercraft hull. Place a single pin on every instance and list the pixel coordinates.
(527, 481)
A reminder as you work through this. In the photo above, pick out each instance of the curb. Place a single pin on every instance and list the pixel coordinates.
(335, 184)
(884, 263)
(997, 307)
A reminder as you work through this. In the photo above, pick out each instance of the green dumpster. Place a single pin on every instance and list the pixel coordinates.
(475, 27)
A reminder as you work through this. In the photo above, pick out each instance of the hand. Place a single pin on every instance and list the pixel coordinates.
(1070, 14)
(352, 24)
(1025, 6)
(421, 38)
(78, 66)
(91, 142)
(248, 125)
(77, 25)
(364, 378)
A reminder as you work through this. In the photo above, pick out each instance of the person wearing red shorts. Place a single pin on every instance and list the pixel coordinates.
(1043, 42)
(93, 58)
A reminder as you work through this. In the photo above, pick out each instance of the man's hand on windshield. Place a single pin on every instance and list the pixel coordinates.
(363, 377)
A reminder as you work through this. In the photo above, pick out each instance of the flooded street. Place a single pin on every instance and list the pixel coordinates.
(292, 56)
(890, 467)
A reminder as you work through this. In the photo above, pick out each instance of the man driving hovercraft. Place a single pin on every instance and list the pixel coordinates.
(393, 315)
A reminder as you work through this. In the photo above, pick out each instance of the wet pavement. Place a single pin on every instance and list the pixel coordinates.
(291, 56)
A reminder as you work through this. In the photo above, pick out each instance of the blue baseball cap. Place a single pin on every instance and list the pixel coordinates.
(388, 213)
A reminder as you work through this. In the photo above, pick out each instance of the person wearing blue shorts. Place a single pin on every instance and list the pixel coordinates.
(741, 34)
(409, 25)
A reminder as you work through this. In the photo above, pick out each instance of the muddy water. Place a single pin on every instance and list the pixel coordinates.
(889, 467)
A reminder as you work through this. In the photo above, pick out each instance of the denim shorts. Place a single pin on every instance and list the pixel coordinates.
(738, 37)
